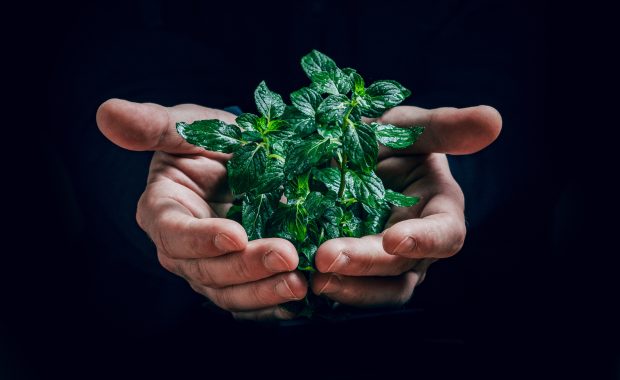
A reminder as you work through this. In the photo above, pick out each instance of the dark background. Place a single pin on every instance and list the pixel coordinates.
(86, 297)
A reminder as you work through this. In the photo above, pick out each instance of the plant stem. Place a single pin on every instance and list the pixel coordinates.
(343, 165)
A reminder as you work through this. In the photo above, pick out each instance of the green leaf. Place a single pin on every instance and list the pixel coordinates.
(276, 125)
(306, 258)
(257, 209)
(272, 178)
(332, 82)
(290, 222)
(330, 222)
(330, 130)
(376, 216)
(351, 225)
(400, 200)
(333, 109)
(382, 95)
(360, 144)
(214, 135)
(328, 176)
(301, 123)
(315, 62)
(395, 137)
(251, 136)
(358, 84)
(248, 121)
(268, 103)
(317, 203)
(246, 167)
(306, 100)
(297, 188)
(366, 187)
(307, 154)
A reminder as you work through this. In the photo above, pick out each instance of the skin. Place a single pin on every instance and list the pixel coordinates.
(186, 198)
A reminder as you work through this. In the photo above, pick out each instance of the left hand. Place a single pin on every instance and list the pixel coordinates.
(383, 270)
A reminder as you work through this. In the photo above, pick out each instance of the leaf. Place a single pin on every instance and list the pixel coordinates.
(358, 84)
(328, 176)
(332, 82)
(365, 187)
(297, 188)
(251, 136)
(396, 137)
(213, 134)
(272, 178)
(330, 130)
(315, 62)
(333, 109)
(360, 144)
(330, 222)
(400, 200)
(382, 95)
(290, 222)
(276, 125)
(246, 167)
(301, 123)
(306, 100)
(306, 258)
(376, 216)
(317, 203)
(308, 153)
(268, 103)
(257, 209)
(248, 121)
(351, 225)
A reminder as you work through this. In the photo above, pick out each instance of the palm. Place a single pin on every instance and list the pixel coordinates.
(196, 181)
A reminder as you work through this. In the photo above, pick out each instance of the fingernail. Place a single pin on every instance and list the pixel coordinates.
(284, 291)
(340, 262)
(274, 262)
(224, 243)
(332, 285)
(408, 244)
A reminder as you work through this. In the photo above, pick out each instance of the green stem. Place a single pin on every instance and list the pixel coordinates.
(342, 166)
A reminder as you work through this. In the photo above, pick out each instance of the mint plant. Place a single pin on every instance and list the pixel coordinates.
(305, 172)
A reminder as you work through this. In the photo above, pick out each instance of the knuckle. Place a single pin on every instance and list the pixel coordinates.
(222, 298)
(201, 273)
(241, 268)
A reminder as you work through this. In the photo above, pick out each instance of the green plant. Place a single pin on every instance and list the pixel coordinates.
(305, 172)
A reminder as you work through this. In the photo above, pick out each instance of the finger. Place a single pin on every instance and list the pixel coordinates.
(435, 236)
(360, 257)
(261, 259)
(148, 126)
(447, 130)
(271, 313)
(186, 230)
(366, 291)
(261, 294)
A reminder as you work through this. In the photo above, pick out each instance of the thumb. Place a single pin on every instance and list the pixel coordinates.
(148, 126)
(447, 130)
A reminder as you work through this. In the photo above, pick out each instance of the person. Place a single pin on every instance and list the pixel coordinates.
(181, 211)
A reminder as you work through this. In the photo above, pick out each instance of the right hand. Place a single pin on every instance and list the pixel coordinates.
(183, 207)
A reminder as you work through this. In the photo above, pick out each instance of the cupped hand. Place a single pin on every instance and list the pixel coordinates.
(384, 269)
(183, 207)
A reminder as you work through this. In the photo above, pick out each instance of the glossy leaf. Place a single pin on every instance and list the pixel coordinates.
(214, 135)
(396, 137)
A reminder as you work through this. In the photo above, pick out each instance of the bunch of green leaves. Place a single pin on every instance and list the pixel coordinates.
(305, 171)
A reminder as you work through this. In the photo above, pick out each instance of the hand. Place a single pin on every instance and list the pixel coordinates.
(183, 209)
(383, 270)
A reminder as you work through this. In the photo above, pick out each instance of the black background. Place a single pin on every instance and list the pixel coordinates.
(77, 301)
